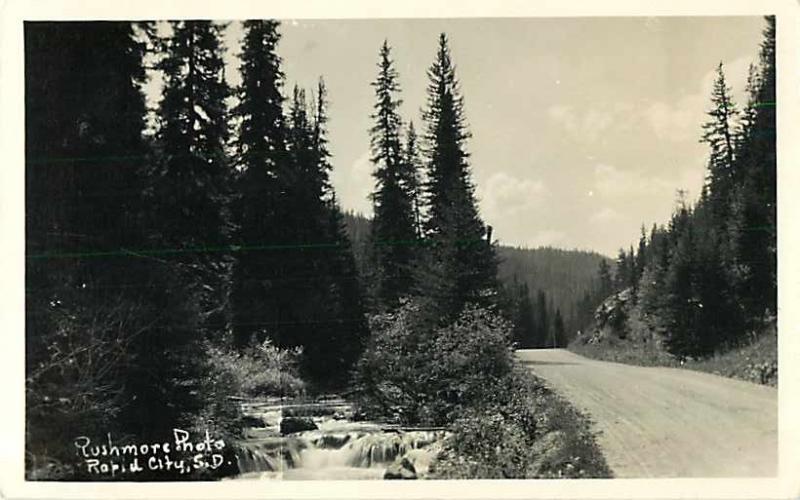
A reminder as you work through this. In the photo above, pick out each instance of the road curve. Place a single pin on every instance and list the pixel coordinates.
(667, 422)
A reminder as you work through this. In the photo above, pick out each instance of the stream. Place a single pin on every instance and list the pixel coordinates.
(321, 440)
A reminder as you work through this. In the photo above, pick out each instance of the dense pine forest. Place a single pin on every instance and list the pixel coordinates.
(706, 282)
(172, 269)
(550, 293)
(186, 260)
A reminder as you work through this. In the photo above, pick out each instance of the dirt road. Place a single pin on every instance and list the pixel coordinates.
(668, 422)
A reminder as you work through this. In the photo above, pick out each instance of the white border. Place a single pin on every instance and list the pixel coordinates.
(13, 12)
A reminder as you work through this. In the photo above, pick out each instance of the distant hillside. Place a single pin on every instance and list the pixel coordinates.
(566, 276)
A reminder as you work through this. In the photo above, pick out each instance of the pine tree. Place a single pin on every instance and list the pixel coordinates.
(681, 302)
(605, 280)
(188, 195)
(523, 316)
(412, 170)
(345, 300)
(300, 239)
(191, 185)
(559, 332)
(542, 313)
(317, 300)
(753, 226)
(347, 312)
(641, 255)
(719, 134)
(460, 263)
(393, 227)
(87, 295)
(622, 276)
(261, 153)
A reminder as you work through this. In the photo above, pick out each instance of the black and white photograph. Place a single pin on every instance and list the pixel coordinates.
(271, 249)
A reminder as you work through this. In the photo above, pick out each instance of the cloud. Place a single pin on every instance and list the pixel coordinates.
(677, 123)
(504, 195)
(680, 122)
(511, 205)
(612, 182)
(606, 216)
(591, 124)
(354, 184)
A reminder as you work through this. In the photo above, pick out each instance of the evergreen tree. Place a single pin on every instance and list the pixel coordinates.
(188, 194)
(87, 294)
(681, 303)
(460, 263)
(622, 277)
(544, 332)
(393, 228)
(606, 283)
(632, 271)
(719, 134)
(412, 163)
(559, 332)
(753, 230)
(317, 301)
(191, 183)
(349, 329)
(641, 256)
(523, 317)
(345, 300)
(261, 154)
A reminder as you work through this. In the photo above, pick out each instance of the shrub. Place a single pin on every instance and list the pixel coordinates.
(261, 370)
(526, 431)
(504, 422)
(75, 377)
(419, 373)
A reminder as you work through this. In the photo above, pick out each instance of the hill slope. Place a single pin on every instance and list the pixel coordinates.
(566, 276)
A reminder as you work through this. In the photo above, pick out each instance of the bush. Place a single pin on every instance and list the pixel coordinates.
(417, 373)
(525, 431)
(504, 423)
(261, 370)
(75, 373)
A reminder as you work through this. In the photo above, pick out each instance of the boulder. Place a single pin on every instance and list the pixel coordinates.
(252, 421)
(290, 425)
(403, 469)
(421, 459)
(611, 316)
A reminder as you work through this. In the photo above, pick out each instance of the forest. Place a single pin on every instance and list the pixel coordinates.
(179, 270)
(706, 282)
(550, 293)
(172, 271)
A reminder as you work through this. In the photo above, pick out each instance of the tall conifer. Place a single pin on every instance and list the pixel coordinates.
(393, 227)
(460, 264)
(261, 154)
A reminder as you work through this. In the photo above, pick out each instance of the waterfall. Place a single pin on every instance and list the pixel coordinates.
(337, 449)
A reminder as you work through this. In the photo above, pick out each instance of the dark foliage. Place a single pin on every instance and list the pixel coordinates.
(706, 282)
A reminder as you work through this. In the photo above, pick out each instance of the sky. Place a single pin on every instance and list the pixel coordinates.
(583, 129)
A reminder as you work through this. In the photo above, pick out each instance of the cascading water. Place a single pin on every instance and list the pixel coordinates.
(337, 449)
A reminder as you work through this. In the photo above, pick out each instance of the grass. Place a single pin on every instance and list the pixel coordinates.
(755, 362)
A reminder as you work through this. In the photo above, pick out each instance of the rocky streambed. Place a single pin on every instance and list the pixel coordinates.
(322, 440)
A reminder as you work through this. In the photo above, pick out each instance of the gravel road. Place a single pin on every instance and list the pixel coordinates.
(667, 422)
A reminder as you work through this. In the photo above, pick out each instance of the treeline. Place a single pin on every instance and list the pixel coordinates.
(147, 252)
(551, 293)
(426, 239)
(153, 258)
(537, 286)
(441, 346)
(708, 279)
